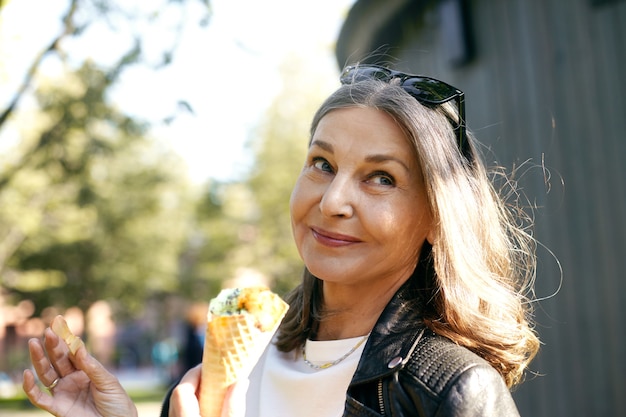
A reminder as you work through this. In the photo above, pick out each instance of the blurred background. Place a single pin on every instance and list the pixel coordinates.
(147, 153)
(148, 149)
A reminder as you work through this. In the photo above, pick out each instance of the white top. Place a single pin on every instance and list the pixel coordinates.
(283, 385)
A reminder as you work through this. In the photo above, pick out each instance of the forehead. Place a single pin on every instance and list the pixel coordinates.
(366, 128)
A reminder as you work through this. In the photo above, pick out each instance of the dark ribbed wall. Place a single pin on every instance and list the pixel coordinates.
(546, 92)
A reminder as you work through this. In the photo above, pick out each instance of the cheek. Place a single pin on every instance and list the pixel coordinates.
(297, 208)
(404, 230)
(298, 204)
(393, 228)
(294, 201)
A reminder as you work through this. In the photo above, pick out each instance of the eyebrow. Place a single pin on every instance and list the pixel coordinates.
(324, 145)
(376, 158)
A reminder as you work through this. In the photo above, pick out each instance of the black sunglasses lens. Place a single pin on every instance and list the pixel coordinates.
(424, 89)
(429, 90)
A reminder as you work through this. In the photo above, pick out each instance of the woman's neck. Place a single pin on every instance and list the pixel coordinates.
(351, 312)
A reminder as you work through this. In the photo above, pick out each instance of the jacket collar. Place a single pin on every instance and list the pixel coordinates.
(399, 327)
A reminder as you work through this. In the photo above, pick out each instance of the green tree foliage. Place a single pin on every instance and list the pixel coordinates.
(93, 209)
(117, 16)
(90, 207)
(219, 226)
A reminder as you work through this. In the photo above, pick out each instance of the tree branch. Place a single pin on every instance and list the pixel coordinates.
(68, 29)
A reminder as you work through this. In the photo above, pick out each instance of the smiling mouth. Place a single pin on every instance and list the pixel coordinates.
(333, 239)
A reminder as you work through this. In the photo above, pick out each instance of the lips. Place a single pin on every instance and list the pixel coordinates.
(332, 239)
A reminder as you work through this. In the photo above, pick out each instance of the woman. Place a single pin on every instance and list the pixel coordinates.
(413, 300)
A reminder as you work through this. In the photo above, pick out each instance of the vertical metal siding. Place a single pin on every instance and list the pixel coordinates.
(549, 84)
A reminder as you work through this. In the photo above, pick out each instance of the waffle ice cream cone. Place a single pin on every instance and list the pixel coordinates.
(241, 323)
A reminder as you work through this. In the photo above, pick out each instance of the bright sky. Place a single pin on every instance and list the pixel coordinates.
(227, 71)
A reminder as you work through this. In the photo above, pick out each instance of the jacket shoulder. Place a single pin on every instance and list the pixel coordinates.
(460, 382)
(438, 363)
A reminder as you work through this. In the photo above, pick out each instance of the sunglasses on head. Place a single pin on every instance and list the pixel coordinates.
(428, 91)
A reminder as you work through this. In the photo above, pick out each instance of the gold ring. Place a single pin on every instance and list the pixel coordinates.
(54, 384)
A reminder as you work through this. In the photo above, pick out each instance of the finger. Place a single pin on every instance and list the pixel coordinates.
(102, 379)
(34, 394)
(58, 353)
(235, 399)
(192, 377)
(45, 372)
(184, 402)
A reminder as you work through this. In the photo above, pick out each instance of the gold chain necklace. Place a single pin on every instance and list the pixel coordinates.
(335, 362)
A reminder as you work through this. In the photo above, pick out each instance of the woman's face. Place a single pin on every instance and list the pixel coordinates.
(359, 209)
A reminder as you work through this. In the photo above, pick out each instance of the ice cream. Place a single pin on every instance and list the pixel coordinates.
(241, 323)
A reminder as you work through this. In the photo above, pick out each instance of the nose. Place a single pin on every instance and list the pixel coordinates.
(338, 198)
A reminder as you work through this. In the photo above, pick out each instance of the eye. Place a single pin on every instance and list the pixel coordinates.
(382, 178)
(322, 164)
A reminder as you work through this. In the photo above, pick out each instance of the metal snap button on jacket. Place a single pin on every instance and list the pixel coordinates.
(395, 362)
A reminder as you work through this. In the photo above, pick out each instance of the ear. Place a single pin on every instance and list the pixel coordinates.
(430, 237)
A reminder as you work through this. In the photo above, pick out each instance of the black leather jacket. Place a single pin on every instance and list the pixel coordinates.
(407, 370)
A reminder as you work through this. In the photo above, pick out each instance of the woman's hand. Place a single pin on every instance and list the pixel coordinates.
(78, 384)
(184, 399)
